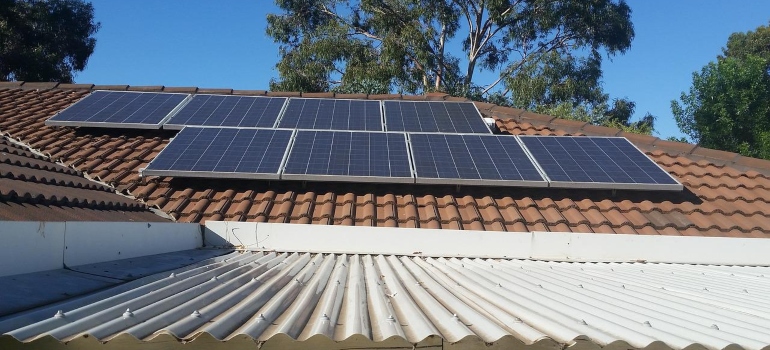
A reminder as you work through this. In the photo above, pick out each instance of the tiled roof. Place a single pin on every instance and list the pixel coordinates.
(725, 194)
(387, 301)
(34, 188)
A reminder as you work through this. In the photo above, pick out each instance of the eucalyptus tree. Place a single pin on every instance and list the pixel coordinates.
(45, 40)
(539, 51)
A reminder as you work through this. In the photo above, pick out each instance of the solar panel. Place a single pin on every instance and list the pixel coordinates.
(332, 114)
(348, 156)
(597, 162)
(444, 117)
(119, 109)
(473, 160)
(221, 110)
(223, 152)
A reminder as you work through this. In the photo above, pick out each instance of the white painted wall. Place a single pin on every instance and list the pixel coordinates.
(31, 246)
(535, 245)
(91, 242)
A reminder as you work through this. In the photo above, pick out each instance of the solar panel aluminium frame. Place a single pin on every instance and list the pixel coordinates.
(385, 118)
(176, 109)
(224, 175)
(478, 182)
(349, 178)
(606, 185)
(168, 126)
(289, 99)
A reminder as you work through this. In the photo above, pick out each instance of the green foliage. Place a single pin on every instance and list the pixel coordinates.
(616, 115)
(45, 40)
(741, 45)
(728, 106)
(554, 78)
(678, 139)
(403, 45)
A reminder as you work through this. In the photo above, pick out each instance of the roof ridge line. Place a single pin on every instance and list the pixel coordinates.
(430, 96)
(646, 142)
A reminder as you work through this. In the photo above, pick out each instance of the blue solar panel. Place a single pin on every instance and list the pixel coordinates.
(332, 114)
(349, 156)
(443, 117)
(472, 160)
(223, 152)
(119, 109)
(221, 110)
(597, 162)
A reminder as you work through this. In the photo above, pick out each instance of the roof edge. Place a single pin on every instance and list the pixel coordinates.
(548, 246)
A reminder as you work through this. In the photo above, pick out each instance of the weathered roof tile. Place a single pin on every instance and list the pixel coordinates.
(725, 194)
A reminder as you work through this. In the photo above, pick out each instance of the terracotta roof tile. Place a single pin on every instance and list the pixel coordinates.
(28, 179)
(539, 226)
(215, 91)
(516, 227)
(726, 194)
(559, 227)
(600, 130)
(715, 154)
(451, 225)
(494, 226)
(148, 88)
(450, 213)
(352, 96)
(511, 215)
(491, 214)
(424, 213)
(626, 230)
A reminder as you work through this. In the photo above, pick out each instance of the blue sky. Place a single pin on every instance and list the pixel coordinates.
(222, 44)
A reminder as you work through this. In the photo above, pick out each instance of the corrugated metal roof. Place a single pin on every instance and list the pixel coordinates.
(407, 299)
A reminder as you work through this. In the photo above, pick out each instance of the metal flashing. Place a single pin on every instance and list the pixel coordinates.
(554, 246)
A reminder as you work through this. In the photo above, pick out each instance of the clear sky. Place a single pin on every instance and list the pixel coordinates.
(222, 44)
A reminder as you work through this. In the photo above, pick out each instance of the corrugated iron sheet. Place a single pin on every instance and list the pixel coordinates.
(379, 299)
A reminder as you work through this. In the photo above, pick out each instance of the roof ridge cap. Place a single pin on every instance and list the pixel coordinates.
(26, 85)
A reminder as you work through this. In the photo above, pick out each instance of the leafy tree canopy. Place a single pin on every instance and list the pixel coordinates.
(45, 40)
(728, 105)
(543, 52)
(740, 45)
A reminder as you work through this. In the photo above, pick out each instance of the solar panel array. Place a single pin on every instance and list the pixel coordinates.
(348, 156)
(442, 117)
(223, 152)
(332, 114)
(119, 109)
(596, 162)
(124, 109)
(223, 110)
(353, 140)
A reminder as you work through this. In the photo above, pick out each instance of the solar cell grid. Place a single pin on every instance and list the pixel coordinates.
(223, 152)
(442, 117)
(472, 160)
(597, 162)
(232, 111)
(348, 156)
(119, 109)
(332, 114)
